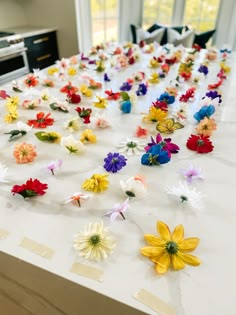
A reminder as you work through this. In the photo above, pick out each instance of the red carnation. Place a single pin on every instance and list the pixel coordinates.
(73, 98)
(33, 187)
(84, 114)
(199, 143)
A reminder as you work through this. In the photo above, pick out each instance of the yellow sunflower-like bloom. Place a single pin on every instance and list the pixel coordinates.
(11, 117)
(154, 115)
(71, 71)
(88, 136)
(154, 78)
(154, 63)
(85, 90)
(96, 183)
(53, 70)
(224, 67)
(170, 249)
(12, 102)
(102, 102)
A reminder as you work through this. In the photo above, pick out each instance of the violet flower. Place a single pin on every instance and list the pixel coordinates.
(142, 89)
(54, 165)
(192, 173)
(126, 86)
(213, 95)
(203, 69)
(118, 208)
(114, 162)
(106, 78)
(166, 144)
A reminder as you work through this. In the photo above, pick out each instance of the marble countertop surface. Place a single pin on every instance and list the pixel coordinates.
(208, 289)
(28, 30)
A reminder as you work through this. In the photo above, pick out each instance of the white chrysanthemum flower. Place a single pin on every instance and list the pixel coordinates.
(131, 146)
(197, 77)
(20, 125)
(180, 113)
(45, 96)
(73, 124)
(3, 173)
(94, 242)
(186, 194)
(72, 145)
(134, 186)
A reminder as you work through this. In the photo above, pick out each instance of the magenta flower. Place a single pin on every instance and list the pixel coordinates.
(117, 209)
(166, 144)
(54, 165)
(192, 173)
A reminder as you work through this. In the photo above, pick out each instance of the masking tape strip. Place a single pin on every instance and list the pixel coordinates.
(154, 303)
(4, 234)
(37, 248)
(87, 271)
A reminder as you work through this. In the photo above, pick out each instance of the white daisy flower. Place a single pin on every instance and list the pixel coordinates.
(180, 113)
(73, 124)
(45, 96)
(72, 145)
(94, 242)
(3, 173)
(131, 146)
(186, 194)
(134, 186)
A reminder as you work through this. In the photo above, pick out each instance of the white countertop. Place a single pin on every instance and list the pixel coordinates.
(205, 290)
(28, 30)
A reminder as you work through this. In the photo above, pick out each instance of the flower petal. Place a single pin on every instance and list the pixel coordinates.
(178, 233)
(190, 259)
(164, 231)
(152, 252)
(154, 240)
(163, 264)
(188, 244)
(177, 262)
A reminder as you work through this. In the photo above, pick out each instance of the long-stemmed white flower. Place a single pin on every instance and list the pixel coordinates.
(72, 145)
(118, 208)
(3, 173)
(186, 194)
(94, 242)
(77, 198)
(131, 146)
(134, 186)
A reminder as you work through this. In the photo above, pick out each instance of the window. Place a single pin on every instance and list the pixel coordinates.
(157, 11)
(201, 15)
(104, 18)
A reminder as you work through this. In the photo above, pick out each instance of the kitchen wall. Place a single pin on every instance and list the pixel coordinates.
(11, 14)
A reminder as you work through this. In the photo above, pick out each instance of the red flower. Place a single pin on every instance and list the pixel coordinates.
(31, 80)
(73, 98)
(84, 114)
(165, 68)
(186, 75)
(189, 94)
(69, 88)
(112, 96)
(197, 47)
(199, 143)
(33, 187)
(3, 94)
(41, 121)
(161, 104)
(131, 60)
(215, 85)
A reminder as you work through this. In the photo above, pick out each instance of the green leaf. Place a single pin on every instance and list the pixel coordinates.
(41, 135)
(125, 96)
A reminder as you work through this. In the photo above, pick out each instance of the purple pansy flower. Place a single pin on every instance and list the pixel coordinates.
(203, 69)
(142, 89)
(166, 144)
(114, 162)
(126, 86)
(213, 95)
(166, 97)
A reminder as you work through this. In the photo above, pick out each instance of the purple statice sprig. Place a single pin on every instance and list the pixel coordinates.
(191, 173)
(126, 86)
(118, 208)
(142, 89)
(114, 162)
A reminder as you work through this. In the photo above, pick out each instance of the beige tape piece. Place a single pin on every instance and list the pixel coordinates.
(37, 248)
(4, 234)
(87, 271)
(154, 303)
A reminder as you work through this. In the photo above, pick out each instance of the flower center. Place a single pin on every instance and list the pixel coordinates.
(114, 161)
(94, 239)
(200, 142)
(183, 198)
(171, 247)
(130, 193)
(131, 144)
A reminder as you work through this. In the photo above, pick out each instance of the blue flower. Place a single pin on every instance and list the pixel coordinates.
(155, 156)
(126, 86)
(165, 97)
(203, 69)
(125, 107)
(114, 162)
(106, 78)
(205, 111)
(142, 89)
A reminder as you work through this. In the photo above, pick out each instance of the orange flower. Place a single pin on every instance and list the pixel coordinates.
(206, 126)
(48, 83)
(31, 80)
(69, 88)
(24, 152)
(42, 121)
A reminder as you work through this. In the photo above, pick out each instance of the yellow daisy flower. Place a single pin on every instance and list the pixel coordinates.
(96, 183)
(155, 115)
(12, 116)
(12, 102)
(102, 102)
(53, 70)
(88, 136)
(170, 249)
(154, 63)
(71, 71)
(154, 78)
(85, 90)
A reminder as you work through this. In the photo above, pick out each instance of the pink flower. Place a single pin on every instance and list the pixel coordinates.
(117, 209)
(192, 173)
(3, 94)
(77, 198)
(53, 165)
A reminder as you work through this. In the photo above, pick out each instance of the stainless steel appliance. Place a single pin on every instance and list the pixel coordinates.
(13, 58)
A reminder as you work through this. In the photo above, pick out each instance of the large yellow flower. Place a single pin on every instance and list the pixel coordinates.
(170, 248)
(96, 183)
(88, 136)
(101, 103)
(155, 115)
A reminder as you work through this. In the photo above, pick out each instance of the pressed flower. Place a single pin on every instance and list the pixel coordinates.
(16, 87)
(31, 104)
(131, 146)
(154, 78)
(94, 84)
(73, 98)
(45, 96)
(84, 113)
(24, 152)
(85, 90)
(42, 120)
(161, 105)
(3, 94)
(94, 242)
(188, 96)
(60, 106)
(31, 80)
(21, 130)
(73, 124)
(49, 136)
(48, 83)
(180, 113)
(214, 86)
(134, 186)
(69, 88)
(125, 106)
(72, 145)
(53, 70)
(88, 136)
(3, 173)
(168, 125)
(141, 132)
(155, 115)
(96, 183)
(170, 249)
(155, 156)
(139, 76)
(126, 86)
(100, 66)
(171, 90)
(199, 143)
(32, 188)
(118, 208)
(54, 165)
(165, 143)
(214, 95)
(203, 69)
(11, 116)
(142, 89)
(77, 198)
(101, 103)
(71, 71)
(12, 102)
(106, 78)
(167, 98)
(114, 162)
(206, 126)
(153, 62)
(186, 194)
(192, 173)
